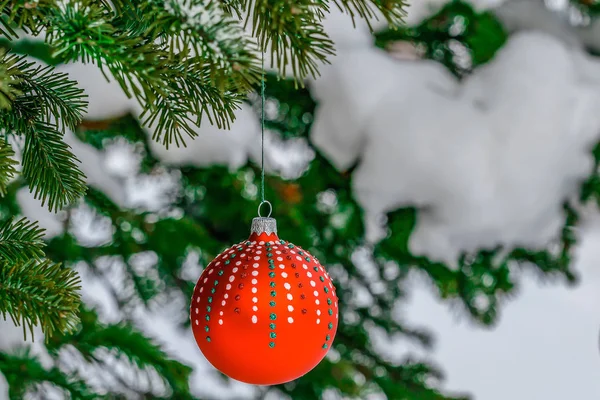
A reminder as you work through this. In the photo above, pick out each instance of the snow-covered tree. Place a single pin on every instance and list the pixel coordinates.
(460, 147)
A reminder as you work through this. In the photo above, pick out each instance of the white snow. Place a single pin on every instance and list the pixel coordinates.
(489, 160)
(546, 345)
(212, 146)
(106, 98)
(418, 10)
(215, 146)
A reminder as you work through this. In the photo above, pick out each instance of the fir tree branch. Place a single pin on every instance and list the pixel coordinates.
(39, 293)
(50, 168)
(10, 78)
(21, 240)
(7, 166)
(171, 114)
(25, 374)
(58, 97)
(125, 341)
(82, 30)
(293, 31)
(198, 30)
(392, 10)
(27, 15)
(154, 75)
(142, 45)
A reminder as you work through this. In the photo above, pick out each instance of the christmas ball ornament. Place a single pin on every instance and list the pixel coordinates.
(264, 311)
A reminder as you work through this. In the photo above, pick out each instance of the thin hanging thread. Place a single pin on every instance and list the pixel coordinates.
(262, 129)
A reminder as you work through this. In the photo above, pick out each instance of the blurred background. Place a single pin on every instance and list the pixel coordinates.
(445, 173)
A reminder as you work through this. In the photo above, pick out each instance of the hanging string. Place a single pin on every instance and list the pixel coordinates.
(262, 129)
(262, 140)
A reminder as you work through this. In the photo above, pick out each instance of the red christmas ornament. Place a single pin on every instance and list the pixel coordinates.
(264, 311)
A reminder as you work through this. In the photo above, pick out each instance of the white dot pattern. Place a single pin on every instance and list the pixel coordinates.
(300, 275)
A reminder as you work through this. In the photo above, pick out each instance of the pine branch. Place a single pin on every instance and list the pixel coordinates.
(43, 102)
(27, 15)
(21, 240)
(124, 341)
(50, 168)
(59, 97)
(7, 166)
(144, 44)
(170, 115)
(391, 10)
(198, 30)
(10, 78)
(25, 374)
(39, 293)
(294, 32)
(153, 74)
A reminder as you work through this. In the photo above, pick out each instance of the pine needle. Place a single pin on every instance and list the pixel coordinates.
(21, 241)
(7, 166)
(40, 293)
(50, 168)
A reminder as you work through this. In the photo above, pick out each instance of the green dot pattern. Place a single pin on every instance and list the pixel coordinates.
(273, 293)
(226, 259)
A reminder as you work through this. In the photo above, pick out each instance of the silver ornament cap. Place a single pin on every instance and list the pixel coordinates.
(263, 225)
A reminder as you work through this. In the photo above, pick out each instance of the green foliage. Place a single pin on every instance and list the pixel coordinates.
(457, 23)
(590, 7)
(7, 166)
(9, 79)
(480, 281)
(24, 373)
(34, 291)
(50, 167)
(40, 293)
(101, 346)
(21, 240)
(185, 59)
(214, 206)
(42, 104)
(95, 341)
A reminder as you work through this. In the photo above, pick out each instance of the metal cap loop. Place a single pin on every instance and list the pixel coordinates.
(270, 208)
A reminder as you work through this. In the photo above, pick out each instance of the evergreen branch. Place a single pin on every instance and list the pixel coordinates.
(58, 97)
(294, 32)
(233, 7)
(170, 115)
(198, 30)
(51, 168)
(39, 293)
(82, 30)
(125, 341)
(154, 75)
(27, 15)
(25, 373)
(7, 165)
(21, 240)
(391, 10)
(10, 78)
